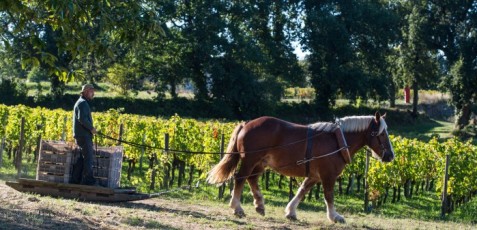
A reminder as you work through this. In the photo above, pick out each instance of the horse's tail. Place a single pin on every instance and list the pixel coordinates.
(226, 167)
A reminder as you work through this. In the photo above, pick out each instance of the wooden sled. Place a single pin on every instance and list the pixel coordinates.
(76, 191)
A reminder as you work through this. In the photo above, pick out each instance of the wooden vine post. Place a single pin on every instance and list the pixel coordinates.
(222, 187)
(2, 145)
(143, 149)
(18, 158)
(121, 131)
(444, 189)
(63, 134)
(38, 144)
(366, 186)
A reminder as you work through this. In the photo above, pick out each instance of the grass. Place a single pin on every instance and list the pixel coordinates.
(424, 129)
(424, 206)
(201, 209)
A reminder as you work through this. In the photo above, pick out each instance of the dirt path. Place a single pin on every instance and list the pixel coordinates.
(28, 211)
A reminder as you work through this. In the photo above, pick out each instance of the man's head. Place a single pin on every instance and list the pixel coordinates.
(87, 91)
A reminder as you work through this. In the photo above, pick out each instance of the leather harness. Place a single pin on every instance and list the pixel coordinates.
(309, 146)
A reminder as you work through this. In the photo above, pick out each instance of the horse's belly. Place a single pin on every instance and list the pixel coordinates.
(290, 167)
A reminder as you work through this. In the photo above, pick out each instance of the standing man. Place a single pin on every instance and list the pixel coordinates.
(83, 131)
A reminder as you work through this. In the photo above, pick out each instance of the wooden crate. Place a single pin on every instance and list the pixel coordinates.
(107, 165)
(50, 177)
(55, 161)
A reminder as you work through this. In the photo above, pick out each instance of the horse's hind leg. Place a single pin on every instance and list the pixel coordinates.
(307, 184)
(258, 200)
(244, 172)
(333, 216)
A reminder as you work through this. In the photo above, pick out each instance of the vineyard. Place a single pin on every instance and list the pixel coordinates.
(419, 166)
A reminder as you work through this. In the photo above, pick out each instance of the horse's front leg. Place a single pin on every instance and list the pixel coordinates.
(333, 216)
(258, 200)
(290, 210)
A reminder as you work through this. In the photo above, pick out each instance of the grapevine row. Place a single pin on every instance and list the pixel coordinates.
(416, 163)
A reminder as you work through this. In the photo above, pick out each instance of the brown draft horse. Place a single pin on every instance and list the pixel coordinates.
(280, 145)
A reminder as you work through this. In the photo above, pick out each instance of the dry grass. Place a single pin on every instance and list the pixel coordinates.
(28, 211)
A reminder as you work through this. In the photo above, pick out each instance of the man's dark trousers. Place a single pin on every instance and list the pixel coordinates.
(86, 163)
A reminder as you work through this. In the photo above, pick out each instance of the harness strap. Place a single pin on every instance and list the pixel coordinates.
(308, 151)
(342, 143)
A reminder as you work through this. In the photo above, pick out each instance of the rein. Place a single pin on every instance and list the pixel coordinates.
(199, 152)
(322, 156)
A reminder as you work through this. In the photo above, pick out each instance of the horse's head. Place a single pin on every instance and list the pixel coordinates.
(378, 139)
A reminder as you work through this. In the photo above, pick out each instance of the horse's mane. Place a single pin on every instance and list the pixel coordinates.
(359, 123)
(349, 124)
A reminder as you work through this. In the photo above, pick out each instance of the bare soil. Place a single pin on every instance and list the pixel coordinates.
(30, 211)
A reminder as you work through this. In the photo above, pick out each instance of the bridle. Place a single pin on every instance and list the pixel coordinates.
(375, 133)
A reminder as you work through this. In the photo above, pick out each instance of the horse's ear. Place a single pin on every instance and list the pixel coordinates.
(377, 116)
(383, 116)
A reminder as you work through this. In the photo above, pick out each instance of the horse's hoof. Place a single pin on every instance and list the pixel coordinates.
(260, 211)
(239, 214)
(339, 219)
(292, 217)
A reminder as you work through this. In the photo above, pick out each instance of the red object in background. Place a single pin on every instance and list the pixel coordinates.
(407, 94)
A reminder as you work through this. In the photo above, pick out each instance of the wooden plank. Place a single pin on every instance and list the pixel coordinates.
(125, 190)
(79, 187)
(72, 193)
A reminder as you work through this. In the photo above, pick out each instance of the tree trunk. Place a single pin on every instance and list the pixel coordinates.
(462, 116)
(415, 98)
(392, 95)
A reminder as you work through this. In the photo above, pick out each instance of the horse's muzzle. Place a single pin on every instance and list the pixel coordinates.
(388, 156)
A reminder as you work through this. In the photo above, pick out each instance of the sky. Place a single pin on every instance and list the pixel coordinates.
(298, 51)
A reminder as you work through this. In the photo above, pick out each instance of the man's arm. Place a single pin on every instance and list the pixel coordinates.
(84, 117)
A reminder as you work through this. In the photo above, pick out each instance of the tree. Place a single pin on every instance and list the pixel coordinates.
(417, 61)
(348, 42)
(453, 32)
(67, 25)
